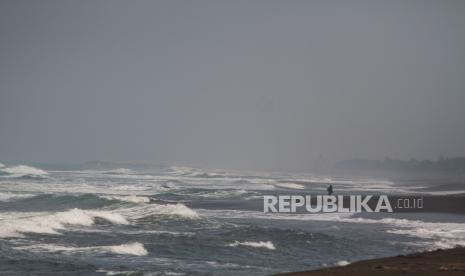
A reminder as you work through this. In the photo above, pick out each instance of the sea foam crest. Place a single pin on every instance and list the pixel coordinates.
(135, 249)
(433, 234)
(260, 244)
(223, 193)
(15, 224)
(129, 198)
(193, 172)
(23, 170)
(183, 170)
(146, 210)
(8, 196)
(342, 263)
(290, 185)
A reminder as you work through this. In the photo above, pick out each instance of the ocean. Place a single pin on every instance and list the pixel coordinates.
(177, 220)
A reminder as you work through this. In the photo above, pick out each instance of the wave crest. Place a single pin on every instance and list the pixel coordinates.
(260, 244)
(146, 210)
(15, 224)
(129, 198)
(7, 197)
(22, 171)
(290, 186)
(135, 249)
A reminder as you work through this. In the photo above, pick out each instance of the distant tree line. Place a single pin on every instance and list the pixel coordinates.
(454, 165)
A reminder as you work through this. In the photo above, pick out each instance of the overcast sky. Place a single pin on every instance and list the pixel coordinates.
(231, 84)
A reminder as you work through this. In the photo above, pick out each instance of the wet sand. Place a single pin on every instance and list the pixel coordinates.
(439, 262)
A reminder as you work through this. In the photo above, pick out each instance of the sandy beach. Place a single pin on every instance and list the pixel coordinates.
(439, 262)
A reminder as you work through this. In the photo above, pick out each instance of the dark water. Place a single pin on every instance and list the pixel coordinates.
(184, 221)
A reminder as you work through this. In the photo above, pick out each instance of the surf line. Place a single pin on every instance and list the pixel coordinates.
(325, 204)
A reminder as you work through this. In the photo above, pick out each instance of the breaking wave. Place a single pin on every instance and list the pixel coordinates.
(22, 171)
(342, 263)
(183, 170)
(135, 249)
(16, 224)
(194, 172)
(290, 186)
(129, 198)
(153, 209)
(225, 193)
(8, 196)
(260, 244)
(433, 235)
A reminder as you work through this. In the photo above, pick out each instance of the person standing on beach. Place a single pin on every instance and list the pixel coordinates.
(330, 189)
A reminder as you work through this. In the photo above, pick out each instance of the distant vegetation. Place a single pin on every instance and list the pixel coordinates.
(445, 165)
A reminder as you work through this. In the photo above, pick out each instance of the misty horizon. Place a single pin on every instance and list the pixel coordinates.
(248, 85)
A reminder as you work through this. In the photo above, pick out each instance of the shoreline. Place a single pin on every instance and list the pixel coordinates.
(427, 263)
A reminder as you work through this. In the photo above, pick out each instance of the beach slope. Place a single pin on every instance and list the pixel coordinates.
(439, 262)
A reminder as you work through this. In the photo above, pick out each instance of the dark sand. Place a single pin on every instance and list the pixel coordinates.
(439, 262)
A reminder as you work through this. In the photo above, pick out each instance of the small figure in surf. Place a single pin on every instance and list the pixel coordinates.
(330, 189)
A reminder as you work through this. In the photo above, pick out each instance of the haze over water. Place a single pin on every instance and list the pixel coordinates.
(200, 108)
(188, 221)
(231, 84)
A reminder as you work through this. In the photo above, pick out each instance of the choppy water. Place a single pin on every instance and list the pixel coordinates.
(186, 221)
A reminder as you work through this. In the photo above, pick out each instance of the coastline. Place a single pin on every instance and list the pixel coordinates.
(428, 263)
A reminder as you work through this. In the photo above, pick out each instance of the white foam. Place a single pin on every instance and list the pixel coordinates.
(184, 170)
(135, 249)
(434, 234)
(451, 192)
(228, 266)
(261, 215)
(8, 196)
(78, 186)
(113, 272)
(22, 170)
(1, 165)
(131, 188)
(260, 244)
(146, 210)
(159, 232)
(290, 186)
(129, 198)
(342, 263)
(15, 224)
(224, 193)
(345, 184)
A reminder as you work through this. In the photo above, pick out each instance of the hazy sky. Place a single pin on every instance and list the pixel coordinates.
(244, 84)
